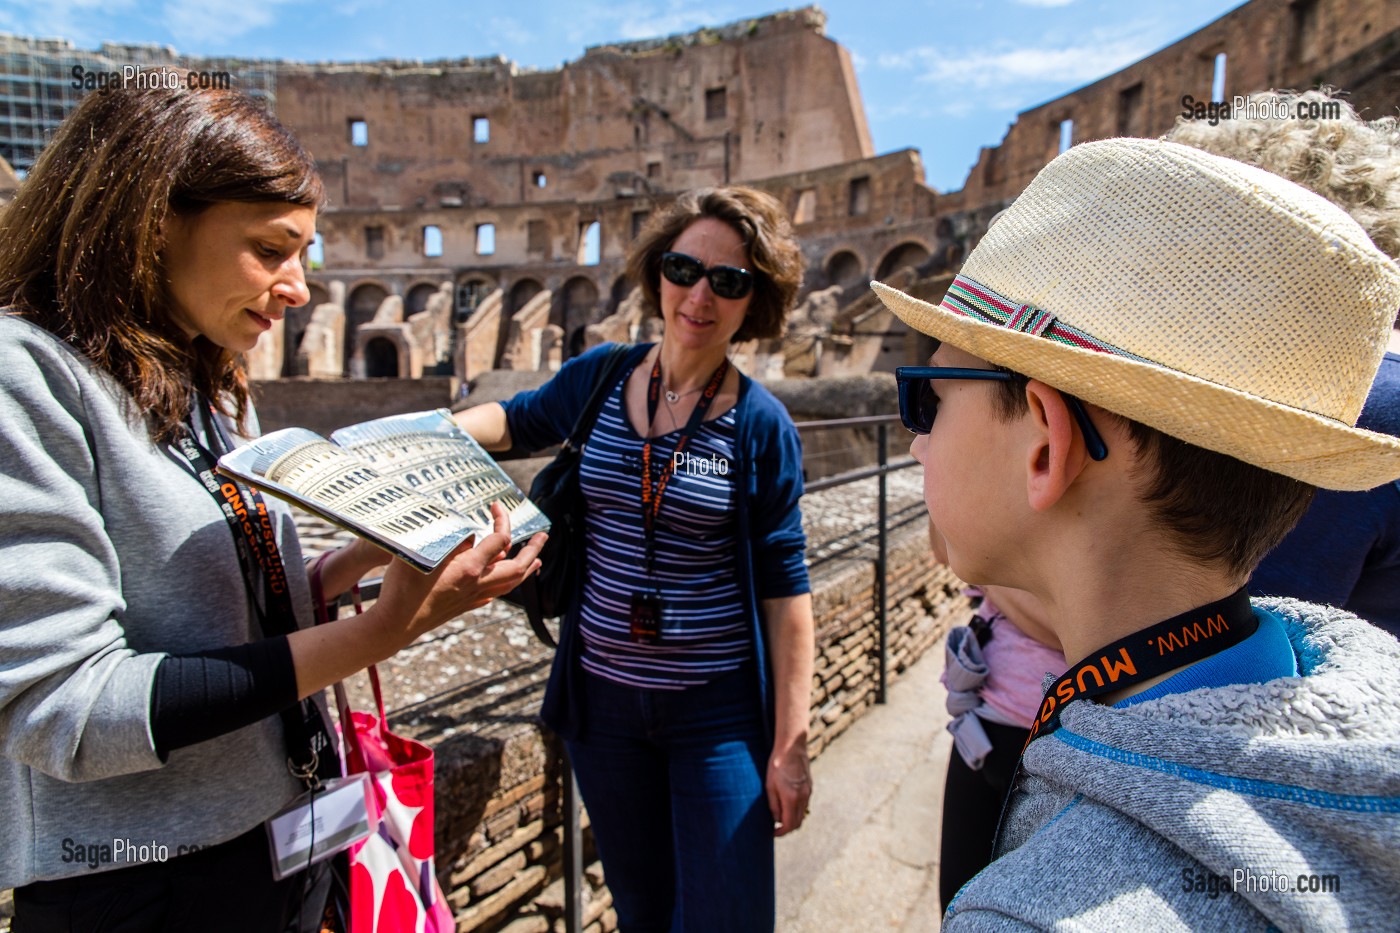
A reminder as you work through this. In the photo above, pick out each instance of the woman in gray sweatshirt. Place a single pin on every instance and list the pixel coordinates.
(158, 681)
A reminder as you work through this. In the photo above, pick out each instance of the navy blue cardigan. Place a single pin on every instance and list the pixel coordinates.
(772, 545)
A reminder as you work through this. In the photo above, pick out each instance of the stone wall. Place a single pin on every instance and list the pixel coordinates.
(924, 601)
(754, 98)
(856, 221)
(324, 405)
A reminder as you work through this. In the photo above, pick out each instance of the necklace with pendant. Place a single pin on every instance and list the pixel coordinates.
(672, 396)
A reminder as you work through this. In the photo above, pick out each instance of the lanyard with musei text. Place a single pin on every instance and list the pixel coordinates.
(1181, 640)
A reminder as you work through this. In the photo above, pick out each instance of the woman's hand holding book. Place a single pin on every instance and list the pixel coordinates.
(412, 603)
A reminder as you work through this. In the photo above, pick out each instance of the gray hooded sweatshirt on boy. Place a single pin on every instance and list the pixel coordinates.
(1249, 807)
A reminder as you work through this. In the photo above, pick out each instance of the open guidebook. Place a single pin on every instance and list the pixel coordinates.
(416, 485)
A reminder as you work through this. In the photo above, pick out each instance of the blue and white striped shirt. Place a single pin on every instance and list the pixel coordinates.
(704, 628)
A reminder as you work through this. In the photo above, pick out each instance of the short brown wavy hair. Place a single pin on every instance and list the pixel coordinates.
(774, 255)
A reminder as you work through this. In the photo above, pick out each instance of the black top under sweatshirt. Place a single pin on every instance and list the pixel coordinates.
(197, 697)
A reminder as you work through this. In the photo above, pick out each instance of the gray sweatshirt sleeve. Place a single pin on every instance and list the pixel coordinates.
(74, 696)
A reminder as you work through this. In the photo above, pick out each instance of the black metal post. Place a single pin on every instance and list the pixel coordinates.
(881, 563)
(573, 853)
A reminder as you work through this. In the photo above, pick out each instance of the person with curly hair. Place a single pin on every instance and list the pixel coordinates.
(682, 682)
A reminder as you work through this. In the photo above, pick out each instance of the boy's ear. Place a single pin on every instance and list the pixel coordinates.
(1057, 454)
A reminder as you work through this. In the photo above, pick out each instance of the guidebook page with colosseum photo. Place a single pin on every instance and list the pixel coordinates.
(417, 485)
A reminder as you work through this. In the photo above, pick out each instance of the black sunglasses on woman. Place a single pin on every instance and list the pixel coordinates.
(725, 281)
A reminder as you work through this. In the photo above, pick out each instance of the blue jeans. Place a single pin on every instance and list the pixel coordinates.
(673, 783)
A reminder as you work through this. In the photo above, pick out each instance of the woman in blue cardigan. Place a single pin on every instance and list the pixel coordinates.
(682, 682)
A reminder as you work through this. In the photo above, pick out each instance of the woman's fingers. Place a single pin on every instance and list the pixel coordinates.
(788, 811)
(775, 802)
(485, 551)
(528, 557)
(483, 571)
(476, 573)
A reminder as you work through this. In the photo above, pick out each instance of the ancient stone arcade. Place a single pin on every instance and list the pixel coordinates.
(517, 192)
(480, 216)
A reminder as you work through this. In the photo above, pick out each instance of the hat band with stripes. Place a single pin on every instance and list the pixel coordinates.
(975, 300)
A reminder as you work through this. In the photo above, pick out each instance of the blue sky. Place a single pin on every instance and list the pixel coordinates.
(942, 76)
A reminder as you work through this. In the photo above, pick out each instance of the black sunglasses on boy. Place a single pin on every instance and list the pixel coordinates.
(725, 281)
(918, 403)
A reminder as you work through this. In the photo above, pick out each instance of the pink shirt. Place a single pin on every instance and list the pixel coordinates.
(1016, 668)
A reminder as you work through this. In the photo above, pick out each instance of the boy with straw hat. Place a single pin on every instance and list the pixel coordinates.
(1144, 369)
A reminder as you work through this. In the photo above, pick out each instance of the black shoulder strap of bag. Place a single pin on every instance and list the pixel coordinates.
(612, 364)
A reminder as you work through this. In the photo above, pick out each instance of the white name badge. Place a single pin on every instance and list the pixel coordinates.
(316, 826)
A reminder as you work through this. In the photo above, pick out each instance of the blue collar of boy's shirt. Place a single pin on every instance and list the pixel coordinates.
(1263, 656)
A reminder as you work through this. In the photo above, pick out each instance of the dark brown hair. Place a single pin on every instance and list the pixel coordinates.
(774, 255)
(81, 243)
(1223, 511)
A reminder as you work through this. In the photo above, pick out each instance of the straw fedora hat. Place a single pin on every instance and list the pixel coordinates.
(1214, 301)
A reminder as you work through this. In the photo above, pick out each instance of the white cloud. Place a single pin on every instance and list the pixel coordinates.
(901, 61)
(66, 19)
(215, 22)
(505, 31)
(676, 17)
(931, 107)
(600, 22)
(1079, 61)
(1072, 65)
(1044, 3)
(349, 8)
(960, 107)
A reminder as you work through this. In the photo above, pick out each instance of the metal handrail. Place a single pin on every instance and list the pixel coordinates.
(882, 469)
(845, 422)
